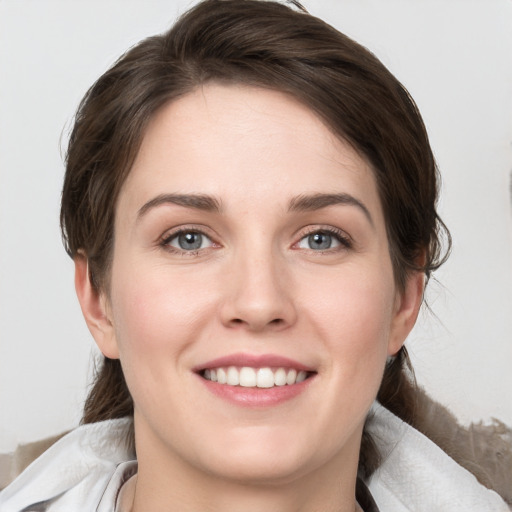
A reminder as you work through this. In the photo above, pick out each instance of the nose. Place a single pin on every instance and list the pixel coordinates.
(258, 294)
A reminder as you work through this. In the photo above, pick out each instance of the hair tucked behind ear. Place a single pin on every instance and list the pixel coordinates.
(109, 397)
(398, 393)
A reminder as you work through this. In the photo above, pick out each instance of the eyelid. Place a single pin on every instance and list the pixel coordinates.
(170, 234)
(344, 239)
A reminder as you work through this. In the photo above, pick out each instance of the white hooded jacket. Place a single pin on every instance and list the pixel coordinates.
(85, 470)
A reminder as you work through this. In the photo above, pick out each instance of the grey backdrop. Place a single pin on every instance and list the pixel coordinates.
(453, 55)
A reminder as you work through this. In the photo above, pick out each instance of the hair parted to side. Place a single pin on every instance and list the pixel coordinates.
(270, 45)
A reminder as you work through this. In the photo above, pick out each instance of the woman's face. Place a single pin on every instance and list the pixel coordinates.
(250, 245)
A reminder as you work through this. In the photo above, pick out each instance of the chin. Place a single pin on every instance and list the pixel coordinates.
(261, 469)
(266, 456)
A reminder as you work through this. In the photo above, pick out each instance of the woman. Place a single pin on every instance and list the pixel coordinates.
(250, 205)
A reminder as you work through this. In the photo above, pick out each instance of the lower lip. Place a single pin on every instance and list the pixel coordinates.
(256, 397)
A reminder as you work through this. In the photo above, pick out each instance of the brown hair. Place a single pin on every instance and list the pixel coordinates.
(270, 45)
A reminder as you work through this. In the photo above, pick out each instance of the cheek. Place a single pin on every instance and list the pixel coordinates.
(354, 313)
(158, 313)
(158, 318)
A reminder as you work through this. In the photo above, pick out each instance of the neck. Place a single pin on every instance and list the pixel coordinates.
(165, 483)
(233, 498)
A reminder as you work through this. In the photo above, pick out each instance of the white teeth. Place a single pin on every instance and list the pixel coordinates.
(247, 377)
(265, 378)
(221, 376)
(233, 376)
(290, 377)
(280, 377)
(255, 377)
(301, 376)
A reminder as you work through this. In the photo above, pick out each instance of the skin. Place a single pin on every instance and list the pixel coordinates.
(256, 286)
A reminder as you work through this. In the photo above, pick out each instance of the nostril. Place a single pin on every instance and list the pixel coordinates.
(257, 322)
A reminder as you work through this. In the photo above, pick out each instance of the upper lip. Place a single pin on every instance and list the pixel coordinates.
(253, 361)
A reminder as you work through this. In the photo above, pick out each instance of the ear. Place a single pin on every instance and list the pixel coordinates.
(407, 307)
(95, 308)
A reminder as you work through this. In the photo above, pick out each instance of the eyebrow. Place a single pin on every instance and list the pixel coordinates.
(302, 203)
(196, 201)
(312, 202)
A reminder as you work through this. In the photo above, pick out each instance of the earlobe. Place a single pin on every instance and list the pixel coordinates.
(95, 309)
(407, 307)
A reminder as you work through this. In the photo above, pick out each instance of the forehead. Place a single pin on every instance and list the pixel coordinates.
(247, 145)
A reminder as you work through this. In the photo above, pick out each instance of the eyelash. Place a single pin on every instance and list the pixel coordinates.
(340, 236)
(168, 238)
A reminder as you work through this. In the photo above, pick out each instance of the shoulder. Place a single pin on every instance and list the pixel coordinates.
(416, 475)
(74, 473)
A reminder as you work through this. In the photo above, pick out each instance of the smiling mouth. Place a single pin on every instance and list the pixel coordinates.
(249, 377)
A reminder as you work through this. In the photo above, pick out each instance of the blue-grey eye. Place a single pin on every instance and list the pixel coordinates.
(319, 241)
(190, 241)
